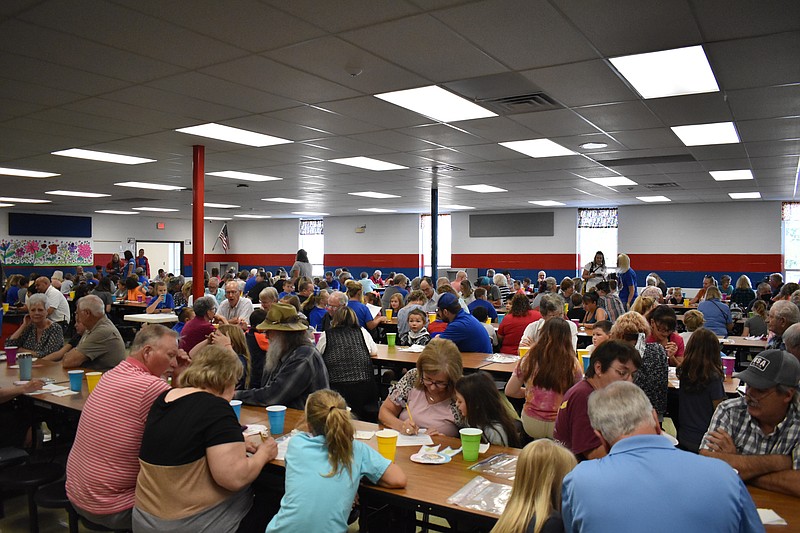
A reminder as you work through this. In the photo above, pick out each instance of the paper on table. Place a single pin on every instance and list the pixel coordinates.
(364, 435)
(64, 393)
(770, 518)
(374, 310)
(50, 387)
(484, 447)
(422, 439)
(254, 429)
(416, 348)
(502, 358)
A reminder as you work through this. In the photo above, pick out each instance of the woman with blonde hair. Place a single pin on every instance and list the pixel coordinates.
(535, 502)
(195, 471)
(324, 468)
(626, 278)
(756, 325)
(716, 313)
(643, 305)
(355, 295)
(743, 294)
(231, 337)
(654, 371)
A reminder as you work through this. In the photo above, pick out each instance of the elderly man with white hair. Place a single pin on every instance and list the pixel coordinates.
(620, 491)
(791, 338)
(782, 314)
(101, 346)
(235, 309)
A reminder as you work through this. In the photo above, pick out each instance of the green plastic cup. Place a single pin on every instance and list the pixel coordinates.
(470, 443)
(391, 338)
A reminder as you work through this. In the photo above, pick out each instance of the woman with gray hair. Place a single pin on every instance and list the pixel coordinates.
(550, 306)
(502, 285)
(38, 333)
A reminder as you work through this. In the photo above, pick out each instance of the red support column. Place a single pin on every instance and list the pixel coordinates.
(198, 238)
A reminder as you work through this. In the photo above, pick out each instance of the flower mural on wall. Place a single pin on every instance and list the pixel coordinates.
(46, 252)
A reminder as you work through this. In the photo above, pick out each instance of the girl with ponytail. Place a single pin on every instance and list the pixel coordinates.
(324, 468)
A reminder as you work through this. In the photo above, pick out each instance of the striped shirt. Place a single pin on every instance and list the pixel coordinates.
(613, 306)
(104, 460)
(732, 416)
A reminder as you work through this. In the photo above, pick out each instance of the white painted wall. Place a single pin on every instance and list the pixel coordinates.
(563, 240)
(274, 236)
(390, 234)
(729, 228)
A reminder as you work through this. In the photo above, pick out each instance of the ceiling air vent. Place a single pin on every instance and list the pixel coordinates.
(440, 168)
(661, 186)
(523, 103)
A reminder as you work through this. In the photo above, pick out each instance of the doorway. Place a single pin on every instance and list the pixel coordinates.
(163, 254)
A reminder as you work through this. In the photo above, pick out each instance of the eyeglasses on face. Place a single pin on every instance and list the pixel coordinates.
(437, 384)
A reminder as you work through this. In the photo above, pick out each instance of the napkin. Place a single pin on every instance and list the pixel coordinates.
(770, 518)
(66, 392)
(364, 435)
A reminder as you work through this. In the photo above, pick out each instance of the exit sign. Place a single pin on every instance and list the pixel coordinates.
(160, 225)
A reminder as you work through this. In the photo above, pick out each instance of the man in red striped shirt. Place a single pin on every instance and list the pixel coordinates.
(104, 461)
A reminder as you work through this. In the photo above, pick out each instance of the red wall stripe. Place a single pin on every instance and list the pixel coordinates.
(514, 261)
(373, 260)
(252, 259)
(707, 262)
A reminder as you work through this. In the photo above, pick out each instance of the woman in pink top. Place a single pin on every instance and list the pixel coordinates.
(543, 376)
(425, 396)
(513, 325)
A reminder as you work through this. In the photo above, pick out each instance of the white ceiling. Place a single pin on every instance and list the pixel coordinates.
(122, 75)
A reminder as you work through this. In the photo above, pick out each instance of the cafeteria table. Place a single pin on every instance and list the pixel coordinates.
(152, 318)
(400, 356)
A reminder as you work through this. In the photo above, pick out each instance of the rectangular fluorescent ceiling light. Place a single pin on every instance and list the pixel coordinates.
(221, 206)
(103, 156)
(436, 103)
(367, 163)
(668, 72)
(456, 207)
(216, 218)
(744, 195)
(155, 209)
(244, 176)
(284, 200)
(651, 199)
(538, 148)
(233, 135)
(78, 194)
(114, 212)
(310, 214)
(23, 200)
(371, 194)
(703, 134)
(481, 187)
(546, 203)
(26, 173)
(6, 205)
(614, 181)
(378, 210)
(149, 186)
(731, 175)
(252, 216)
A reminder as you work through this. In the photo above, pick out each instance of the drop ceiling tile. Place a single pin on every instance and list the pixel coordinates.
(769, 130)
(196, 111)
(648, 138)
(719, 151)
(620, 117)
(556, 123)
(756, 62)
(376, 111)
(490, 152)
(719, 22)
(583, 83)
(339, 15)
(426, 47)
(774, 148)
(768, 102)
(633, 26)
(488, 25)
(691, 109)
(496, 129)
(46, 74)
(329, 123)
(442, 134)
(393, 140)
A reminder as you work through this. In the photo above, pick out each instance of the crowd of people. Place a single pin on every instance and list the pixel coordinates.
(177, 460)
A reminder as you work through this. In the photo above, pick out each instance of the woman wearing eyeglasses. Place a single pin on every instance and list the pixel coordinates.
(425, 396)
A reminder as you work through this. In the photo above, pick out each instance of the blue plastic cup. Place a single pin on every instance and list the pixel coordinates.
(25, 362)
(237, 407)
(75, 380)
(276, 415)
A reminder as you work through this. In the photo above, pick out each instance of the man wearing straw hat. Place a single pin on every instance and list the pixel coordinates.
(294, 368)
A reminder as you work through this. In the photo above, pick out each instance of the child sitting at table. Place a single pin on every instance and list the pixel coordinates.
(416, 334)
(577, 312)
(481, 405)
(481, 314)
(535, 502)
(324, 468)
(601, 331)
(187, 313)
(396, 303)
(675, 296)
(692, 320)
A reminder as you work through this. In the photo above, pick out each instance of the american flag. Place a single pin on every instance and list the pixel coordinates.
(223, 237)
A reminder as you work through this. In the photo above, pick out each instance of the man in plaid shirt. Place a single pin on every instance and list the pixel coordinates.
(609, 301)
(759, 434)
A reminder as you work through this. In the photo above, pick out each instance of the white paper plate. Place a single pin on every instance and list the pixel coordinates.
(430, 458)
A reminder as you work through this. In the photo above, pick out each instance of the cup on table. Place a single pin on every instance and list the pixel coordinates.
(71, 295)
(317, 336)
(391, 339)
(523, 350)
(91, 380)
(470, 443)
(25, 361)
(500, 317)
(431, 317)
(75, 380)
(584, 356)
(728, 363)
(237, 408)
(388, 314)
(387, 443)
(113, 298)
(5, 308)
(686, 302)
(11, 355)
(276, 415)
(140, 298)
